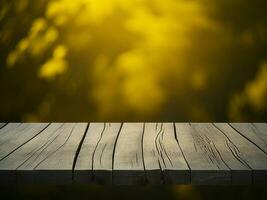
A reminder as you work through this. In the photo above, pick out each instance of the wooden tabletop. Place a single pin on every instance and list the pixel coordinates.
(133, 153)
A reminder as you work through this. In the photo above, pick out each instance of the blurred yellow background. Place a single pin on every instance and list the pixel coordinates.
(133, 60)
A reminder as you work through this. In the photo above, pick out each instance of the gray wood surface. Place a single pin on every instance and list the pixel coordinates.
(48, 158)
(203, 155)
(15, 135)
(133, 153)
(94, 163)
(255, 133)
(10, 126)
(247, 153)
(128, 158)
(2, 125)
(164, 161)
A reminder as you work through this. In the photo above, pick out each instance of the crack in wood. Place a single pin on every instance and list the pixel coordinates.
(113, 153)
(154, 153)
(16, 148)
(93, 156)
(53, 152)
(242, 134)
(43, 147)
(78, 151)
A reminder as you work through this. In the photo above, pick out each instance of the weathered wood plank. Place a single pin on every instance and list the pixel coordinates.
(2, 125)
(48, 158)
(205, 164)
(246, 152)
(133, 153)
(8, 127)
(164, 161)
(103, 157)
(84, 164)
(9, 165)
(209, 157)
(13, 135)
(128, 165)
(32, 148)
(255, 133)
(262, 128)
(154, 173)
(94, 163)
(240, 172)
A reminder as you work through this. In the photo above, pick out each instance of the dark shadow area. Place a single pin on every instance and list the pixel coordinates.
(133, 192)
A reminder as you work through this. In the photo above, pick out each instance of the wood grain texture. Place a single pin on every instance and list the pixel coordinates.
(247, 153)
(255, 133)
(2, 125)
(206, 165)
(94, 163)
(8, 127)
(48, 158)
(14, 135)
(133, 153)
(240, 172)
(128, 167)
(164, 161)
(208, 155)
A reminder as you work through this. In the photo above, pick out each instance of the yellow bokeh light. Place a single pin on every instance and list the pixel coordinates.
(56, 65)
(145, 56)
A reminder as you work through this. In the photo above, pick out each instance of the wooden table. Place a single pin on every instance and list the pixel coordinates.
(133, 153)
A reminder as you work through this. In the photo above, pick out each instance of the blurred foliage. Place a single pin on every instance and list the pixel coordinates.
(118, 60)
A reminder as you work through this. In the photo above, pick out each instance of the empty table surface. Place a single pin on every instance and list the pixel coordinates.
(133, 153)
